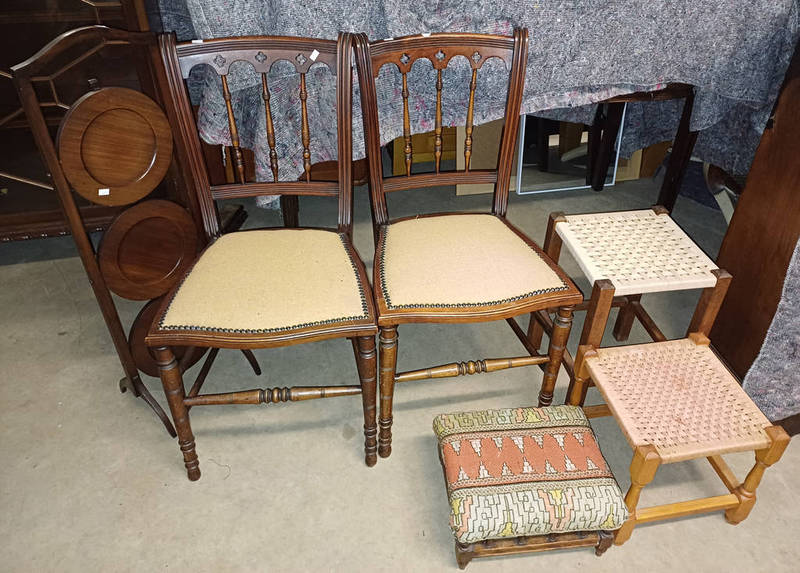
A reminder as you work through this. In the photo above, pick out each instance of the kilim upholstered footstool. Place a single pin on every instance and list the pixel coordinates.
(526, 479)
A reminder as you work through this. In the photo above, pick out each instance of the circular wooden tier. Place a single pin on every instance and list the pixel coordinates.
(115, 146)
(147, 249)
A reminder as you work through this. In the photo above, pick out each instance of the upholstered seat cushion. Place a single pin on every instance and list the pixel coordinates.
(638, 251)
(458, 261)
(269, 280)
(525, 471)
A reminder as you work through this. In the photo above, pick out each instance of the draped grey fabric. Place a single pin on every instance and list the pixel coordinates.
(773, 380)
(581, 52)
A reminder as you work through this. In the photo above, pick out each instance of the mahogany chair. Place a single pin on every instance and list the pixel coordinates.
(270, 287)
(454, 267)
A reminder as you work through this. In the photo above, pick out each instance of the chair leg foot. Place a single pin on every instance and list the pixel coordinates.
(173, 388)
(558, 342)
(388, 365)
(367, 362)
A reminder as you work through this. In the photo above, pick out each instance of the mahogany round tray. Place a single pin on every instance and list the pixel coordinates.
(147, 249)
(142, 356)
(115, 146)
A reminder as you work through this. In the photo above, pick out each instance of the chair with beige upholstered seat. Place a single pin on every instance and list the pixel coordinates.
(463, 267)
(270, 287)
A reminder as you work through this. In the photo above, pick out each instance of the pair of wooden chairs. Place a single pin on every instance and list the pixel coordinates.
(310, 284)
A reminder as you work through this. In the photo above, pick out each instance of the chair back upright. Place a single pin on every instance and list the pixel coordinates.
(260, 52)
(439, 49)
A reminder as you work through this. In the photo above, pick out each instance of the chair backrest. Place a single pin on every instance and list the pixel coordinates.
(439, 49)
(260, 52)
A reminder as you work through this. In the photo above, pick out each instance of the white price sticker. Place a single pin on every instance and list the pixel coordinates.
(103, 192)
(314, 55)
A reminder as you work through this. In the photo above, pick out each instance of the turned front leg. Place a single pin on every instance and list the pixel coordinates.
(388, 366)
(366, 359)
(746, 492)
(643, 469)
(558, 342)
(173, 388)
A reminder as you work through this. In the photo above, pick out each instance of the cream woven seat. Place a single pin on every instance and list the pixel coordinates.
(625, 255)
(300, 278)
(451, 262)
(639, 251)
(678, 397)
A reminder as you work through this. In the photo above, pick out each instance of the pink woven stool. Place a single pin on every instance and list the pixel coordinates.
(676, 401)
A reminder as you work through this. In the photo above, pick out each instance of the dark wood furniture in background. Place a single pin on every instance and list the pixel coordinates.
(762, 234)
(439, 49)
(603, 136)
(143, 159)
(28, 205)
(261, 53)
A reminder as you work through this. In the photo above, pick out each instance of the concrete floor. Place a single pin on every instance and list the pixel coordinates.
(91, 482)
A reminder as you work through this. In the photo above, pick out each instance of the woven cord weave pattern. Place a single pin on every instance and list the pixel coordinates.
(679, 397)
(639, 251)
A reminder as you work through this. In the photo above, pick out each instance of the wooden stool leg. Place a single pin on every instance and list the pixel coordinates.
(576, 393)
(595, 322)
(643, 469)
(709, 304)
(367, 362)
(173, 388)
(606, 540)
(464, 555)
(388, 365)
(746, 492)
(558, 342)
(624, 323)
(552, 247)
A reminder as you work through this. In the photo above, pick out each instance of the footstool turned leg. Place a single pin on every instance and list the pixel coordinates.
(643, 469)
(606, 540)
(746, 492)
(464, 554)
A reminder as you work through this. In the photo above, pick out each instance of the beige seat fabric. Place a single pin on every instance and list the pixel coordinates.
(261, 281)
(459, 260)
(679, 397)
(639, 251)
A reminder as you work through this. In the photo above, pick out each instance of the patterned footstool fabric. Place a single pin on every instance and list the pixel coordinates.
(525, 471)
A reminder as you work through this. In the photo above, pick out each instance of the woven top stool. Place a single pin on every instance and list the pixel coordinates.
(624, 255)
(676, 401)
(526, 479)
